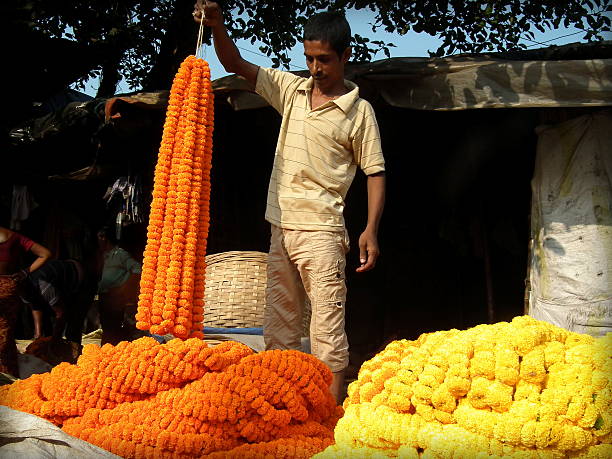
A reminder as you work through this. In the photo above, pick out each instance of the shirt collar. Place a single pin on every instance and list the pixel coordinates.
(344, 102)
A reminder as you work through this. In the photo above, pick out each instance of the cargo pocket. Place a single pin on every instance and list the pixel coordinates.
(330, 322)
(331, 285)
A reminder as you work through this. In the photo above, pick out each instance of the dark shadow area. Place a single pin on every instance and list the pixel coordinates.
(456, 218)
(455, 232)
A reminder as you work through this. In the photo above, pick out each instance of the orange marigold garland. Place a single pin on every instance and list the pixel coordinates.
(172, 285)
(152, 262)
(182, 399)
(203, 216)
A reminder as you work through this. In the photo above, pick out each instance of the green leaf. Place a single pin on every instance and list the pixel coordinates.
(146, 29)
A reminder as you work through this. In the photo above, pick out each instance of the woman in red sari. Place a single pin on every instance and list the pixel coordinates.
(12, 247)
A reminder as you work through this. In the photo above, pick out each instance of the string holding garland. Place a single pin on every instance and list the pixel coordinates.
(200, 50)
(172, 283)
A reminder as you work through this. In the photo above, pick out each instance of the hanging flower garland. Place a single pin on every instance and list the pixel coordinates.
(172, 281)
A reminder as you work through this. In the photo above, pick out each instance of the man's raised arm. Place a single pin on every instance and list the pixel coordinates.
(225, 48)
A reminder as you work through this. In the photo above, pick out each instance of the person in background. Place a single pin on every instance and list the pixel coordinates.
(117, 289)
(13, 246)
(327, 133)
(64, 287)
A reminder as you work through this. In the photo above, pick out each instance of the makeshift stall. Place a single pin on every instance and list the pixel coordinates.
(450, 256)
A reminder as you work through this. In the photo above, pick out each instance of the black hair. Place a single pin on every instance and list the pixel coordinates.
(329, 26)
(109, 233)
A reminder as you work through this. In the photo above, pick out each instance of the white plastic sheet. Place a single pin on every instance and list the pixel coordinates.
(25, 436)
(571, 255)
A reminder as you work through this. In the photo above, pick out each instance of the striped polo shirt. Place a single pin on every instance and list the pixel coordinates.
(318, 151)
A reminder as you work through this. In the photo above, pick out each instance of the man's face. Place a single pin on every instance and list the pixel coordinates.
(101, 238)
(326, 67)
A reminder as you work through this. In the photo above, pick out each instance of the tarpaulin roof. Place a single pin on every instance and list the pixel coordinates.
(577, 75)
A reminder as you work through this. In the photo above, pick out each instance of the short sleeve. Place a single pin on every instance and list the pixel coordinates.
(276, 86)
(367, 148)
(24, 242)
(132, 265)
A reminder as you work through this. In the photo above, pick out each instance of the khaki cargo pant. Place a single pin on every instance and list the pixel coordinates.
(308, 263)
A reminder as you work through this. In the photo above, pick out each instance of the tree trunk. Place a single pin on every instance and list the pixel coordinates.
(110, 78)
(178, 43)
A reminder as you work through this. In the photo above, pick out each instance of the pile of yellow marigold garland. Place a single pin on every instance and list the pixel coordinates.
(172, 282)
(522, 389)
(143, 399)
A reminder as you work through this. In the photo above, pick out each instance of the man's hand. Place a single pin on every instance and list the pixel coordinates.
(211, 10)
(20, 275)
(368, 251)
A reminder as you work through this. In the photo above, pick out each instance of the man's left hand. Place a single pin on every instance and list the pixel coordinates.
(20, 275)
(368, 251)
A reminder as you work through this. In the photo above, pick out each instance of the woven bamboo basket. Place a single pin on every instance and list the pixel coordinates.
(235, 294)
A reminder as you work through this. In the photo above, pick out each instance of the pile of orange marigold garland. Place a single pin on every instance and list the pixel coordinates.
(143, 399)
(172, 282)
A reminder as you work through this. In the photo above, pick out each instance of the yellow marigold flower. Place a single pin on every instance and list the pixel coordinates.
(527, 390)
(603, 451)
(575, 409)
(590, 416)
(460, 369)
(557, 399)
(434, 371)
(399, 402)
(525, 410)
(527, 339)
(519, 389)
(509, 431)
(528, 433)
(580, 353)
(380, 399)
(478, 392)
(422, 394)
(567, 441)
(603, 424)
(459, 359)
(603, 397)
(483, 337)
(406, 376)
(407, 452)
(554, 352)
(574, 339)
(506, 365)
(481, 422)
(425, 411)
(440, 358)
(458, 386)
(443, 417)
(367, 391)
(547, 433)
(483, 364)
(532, 367)
(599, 380)
(443, 400)
(499, 396)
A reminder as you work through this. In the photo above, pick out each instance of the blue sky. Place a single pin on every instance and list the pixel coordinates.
(410, 45)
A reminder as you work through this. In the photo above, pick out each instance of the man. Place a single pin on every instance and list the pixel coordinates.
(68, 290)
(327, 131)
(118, 290)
